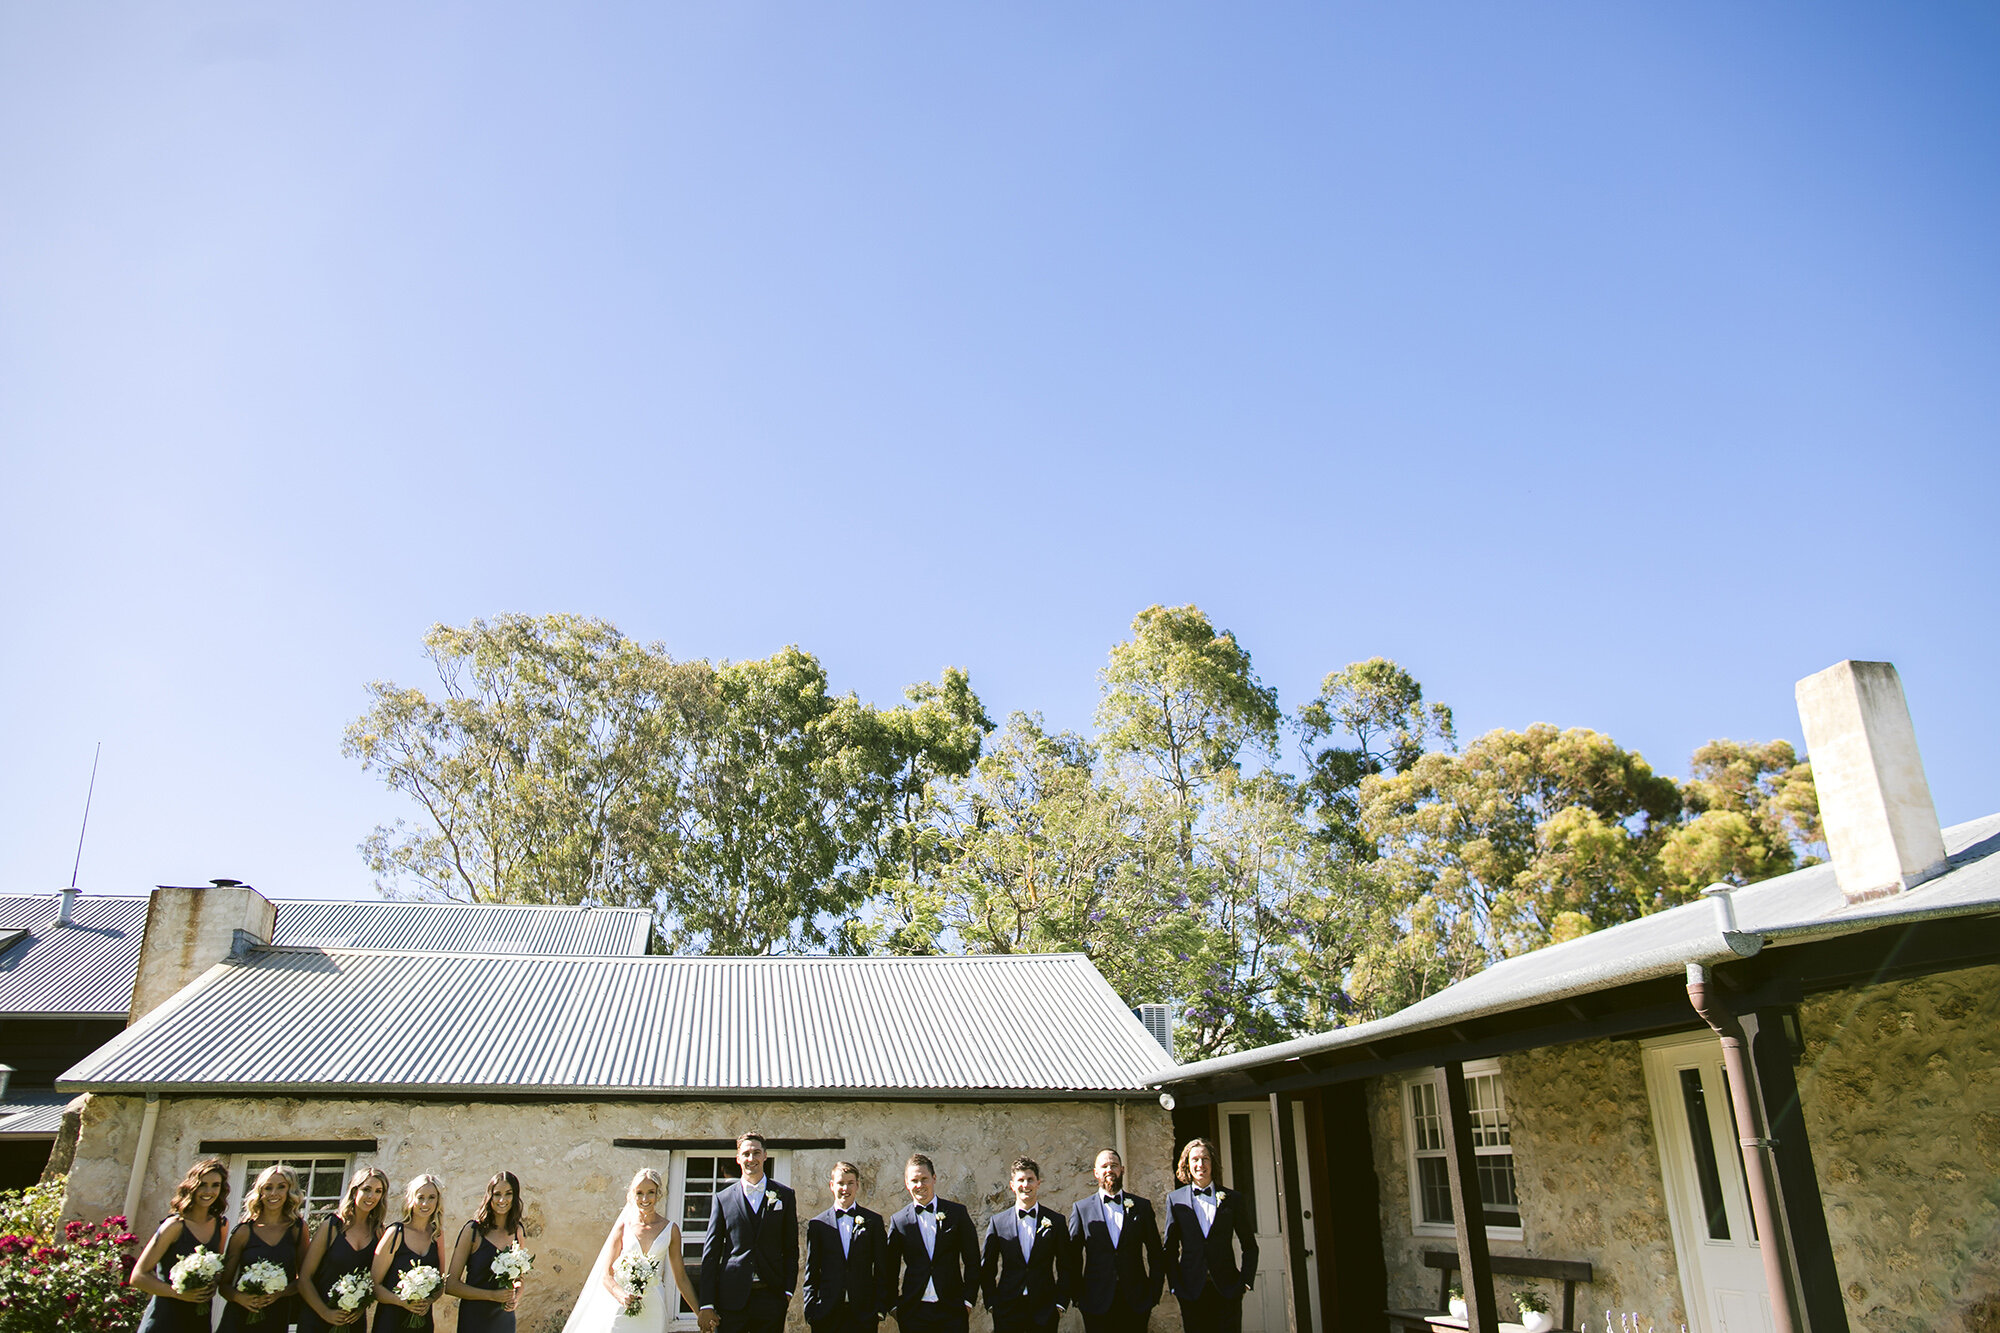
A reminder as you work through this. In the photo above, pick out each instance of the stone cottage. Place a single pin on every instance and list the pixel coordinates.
(1585, 1102)
(574, 1071)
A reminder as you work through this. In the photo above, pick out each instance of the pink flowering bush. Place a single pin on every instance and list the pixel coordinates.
(72, 1285)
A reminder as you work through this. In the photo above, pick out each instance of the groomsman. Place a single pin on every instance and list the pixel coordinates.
(1203, 1268)
(750, 1260)
(1026, 1274)
(933, 1256)
(1117, 1241)
(847, 1261)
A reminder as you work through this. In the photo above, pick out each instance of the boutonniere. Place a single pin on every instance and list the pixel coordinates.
(1044, 1226)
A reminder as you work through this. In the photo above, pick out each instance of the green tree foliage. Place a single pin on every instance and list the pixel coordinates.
(1752, 810)
(561, 762)
(1380, 709)
(754, 810)
(1520, 828)
(1181, 702)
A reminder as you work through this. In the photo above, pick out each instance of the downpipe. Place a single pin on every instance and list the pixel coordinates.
(142, 1158)
(1759, 1167)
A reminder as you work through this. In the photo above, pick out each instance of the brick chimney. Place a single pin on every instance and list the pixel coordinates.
(1873, 798)
(189, 930)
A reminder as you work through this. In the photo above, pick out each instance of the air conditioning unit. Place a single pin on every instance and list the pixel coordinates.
(1159, 1021)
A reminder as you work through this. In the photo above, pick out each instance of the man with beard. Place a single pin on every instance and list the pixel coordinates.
(1118, 1241)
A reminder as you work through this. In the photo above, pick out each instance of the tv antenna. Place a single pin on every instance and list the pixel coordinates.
(86, 816)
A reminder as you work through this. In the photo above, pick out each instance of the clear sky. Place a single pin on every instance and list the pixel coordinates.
(1606, 365)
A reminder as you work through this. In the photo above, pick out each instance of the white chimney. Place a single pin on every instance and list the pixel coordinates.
(66, 907)
(1873, 798)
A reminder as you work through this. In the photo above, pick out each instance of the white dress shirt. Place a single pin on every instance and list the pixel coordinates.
(1204, 1208)
(845, 1221)
(927, 1220)
(1114, 1216)
(1026, 1224)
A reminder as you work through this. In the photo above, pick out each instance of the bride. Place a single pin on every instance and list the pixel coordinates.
(641, 1228)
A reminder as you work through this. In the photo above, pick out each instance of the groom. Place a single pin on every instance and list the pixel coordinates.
(750, 1260)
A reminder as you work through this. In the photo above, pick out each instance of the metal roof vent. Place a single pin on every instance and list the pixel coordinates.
(66, 907)
(1159, 1021)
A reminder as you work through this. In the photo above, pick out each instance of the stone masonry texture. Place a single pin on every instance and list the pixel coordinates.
(1900, 1085)
(573, 1179)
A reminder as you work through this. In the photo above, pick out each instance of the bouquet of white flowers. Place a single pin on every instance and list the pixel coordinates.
(635, 1273)
(351, 1291)
(262, 1278)
(198, 1270)
(418, 1283)
(510, 1266)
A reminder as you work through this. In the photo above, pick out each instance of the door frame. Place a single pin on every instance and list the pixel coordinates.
(1275, 1258)
(1677, 1168)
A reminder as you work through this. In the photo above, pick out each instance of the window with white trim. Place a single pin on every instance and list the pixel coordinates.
(321, 1176)
(693, 1181)
(1492, 1144)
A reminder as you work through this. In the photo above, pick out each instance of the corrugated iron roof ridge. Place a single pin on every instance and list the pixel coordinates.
(340, 1026)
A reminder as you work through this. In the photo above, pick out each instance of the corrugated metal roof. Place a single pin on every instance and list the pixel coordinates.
(311, 1020)
(462, 928)
(82, 970)
(32, 1114)
(1806, 904)
(85, 970)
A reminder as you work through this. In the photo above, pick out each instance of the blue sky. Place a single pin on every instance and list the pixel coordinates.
(1609, 366)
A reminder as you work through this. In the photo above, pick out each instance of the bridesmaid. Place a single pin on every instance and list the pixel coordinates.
(344, 1243)
(483, 1307)
(406, 1244)
(195, 1220)
(272, 1229)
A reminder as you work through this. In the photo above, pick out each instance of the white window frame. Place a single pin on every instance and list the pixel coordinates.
(1481, 1070)
(777, 1166)
(241, 1174)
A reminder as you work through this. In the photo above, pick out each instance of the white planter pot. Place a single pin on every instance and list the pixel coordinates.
(1537, 1321)
(1457, 1307)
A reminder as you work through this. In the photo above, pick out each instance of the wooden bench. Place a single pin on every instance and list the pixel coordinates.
(1569, 1272)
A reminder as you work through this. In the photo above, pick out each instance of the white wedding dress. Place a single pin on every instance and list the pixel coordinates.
(597, 1312)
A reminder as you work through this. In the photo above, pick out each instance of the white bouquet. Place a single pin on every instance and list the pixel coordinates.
(635, 1273)
(510, 1266)
(418, 1283)
(351, 1291)
(262, 1278)
(198, 1270)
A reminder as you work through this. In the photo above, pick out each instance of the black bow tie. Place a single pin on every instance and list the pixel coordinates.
(926, 1207)
(843, 1212)
(1208, 1190)
(1118, 1199)
(1026, 1213)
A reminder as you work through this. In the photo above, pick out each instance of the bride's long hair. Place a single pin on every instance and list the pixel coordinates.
(640, 1177)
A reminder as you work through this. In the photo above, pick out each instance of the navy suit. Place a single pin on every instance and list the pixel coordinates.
(750, 1261)
(1204, 1271)
(953, 1268)
(1117, 1285)
(847, 1292)
(1026, 1294)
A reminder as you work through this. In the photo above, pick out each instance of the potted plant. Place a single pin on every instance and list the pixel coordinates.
(1456, 1303)
(1534, 1308)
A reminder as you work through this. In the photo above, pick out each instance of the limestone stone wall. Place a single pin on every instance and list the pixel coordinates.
(573, 1179)
(1588, 1173)
(1901, 1089)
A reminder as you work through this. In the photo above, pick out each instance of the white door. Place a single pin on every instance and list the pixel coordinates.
(1249, 1166)
(1306, 1212)
(1708, 1204)
(692, 1181)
